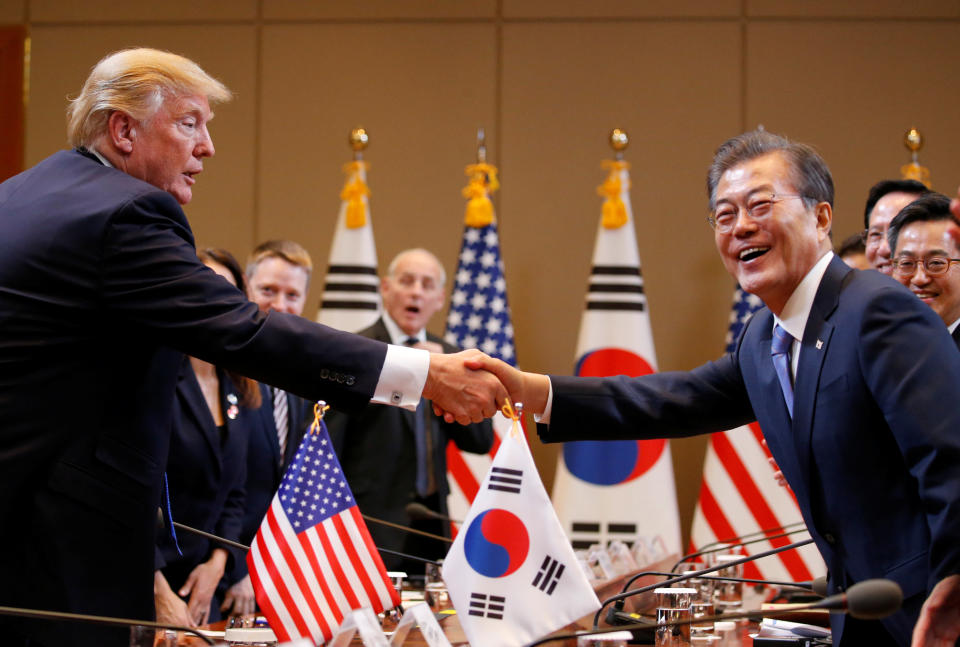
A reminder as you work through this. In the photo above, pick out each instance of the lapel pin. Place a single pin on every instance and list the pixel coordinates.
(819, 344)
(233, 410)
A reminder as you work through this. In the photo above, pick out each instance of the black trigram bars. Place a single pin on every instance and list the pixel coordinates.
(614, 530)
(549, 575)
(487, 606)
(505, 480)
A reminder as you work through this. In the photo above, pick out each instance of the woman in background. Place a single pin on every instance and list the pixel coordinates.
(206, 472)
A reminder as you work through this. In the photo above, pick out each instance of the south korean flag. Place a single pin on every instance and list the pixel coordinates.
(511, 573)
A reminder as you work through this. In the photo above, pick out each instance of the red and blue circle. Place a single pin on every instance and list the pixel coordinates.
(496, 543)
(612, 462)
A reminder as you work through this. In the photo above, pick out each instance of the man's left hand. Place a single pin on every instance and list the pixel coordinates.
(939, 623)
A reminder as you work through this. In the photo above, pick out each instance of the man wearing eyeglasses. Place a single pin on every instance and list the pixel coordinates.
(853, 380)
(926, 256)
(885, 200)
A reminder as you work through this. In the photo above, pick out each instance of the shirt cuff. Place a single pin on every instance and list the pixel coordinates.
(544, 418)
(403, 377)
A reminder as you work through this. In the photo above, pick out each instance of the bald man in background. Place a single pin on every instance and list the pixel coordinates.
(393, 458)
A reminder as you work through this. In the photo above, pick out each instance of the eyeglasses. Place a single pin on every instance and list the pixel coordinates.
(761, 206)
(933, 266)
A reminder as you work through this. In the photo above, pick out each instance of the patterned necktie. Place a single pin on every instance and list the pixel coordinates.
(280, 417)
(780, 347)
(426, 482)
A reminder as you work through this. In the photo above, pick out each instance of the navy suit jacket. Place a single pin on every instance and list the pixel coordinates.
(206, 474)
(101, 293)
(872, 451)
(377, 451)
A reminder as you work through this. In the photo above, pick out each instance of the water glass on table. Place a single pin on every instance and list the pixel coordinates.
(729, 595)
(435, 589)
(673, 605)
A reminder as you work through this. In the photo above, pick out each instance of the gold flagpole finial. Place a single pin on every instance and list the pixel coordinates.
(319, 410)
(614, 209)
(913, 141)
(359, 139)
(513, 411)
(619, 140)
(481, 146)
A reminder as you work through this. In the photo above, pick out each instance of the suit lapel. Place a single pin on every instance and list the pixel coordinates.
(813, 353)
(195, 405)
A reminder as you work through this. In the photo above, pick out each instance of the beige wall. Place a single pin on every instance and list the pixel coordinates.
(547, 79)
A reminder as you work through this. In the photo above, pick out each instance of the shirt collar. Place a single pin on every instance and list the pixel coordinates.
(103, 160)
(795, 313)
(953, 326)
(397, 336)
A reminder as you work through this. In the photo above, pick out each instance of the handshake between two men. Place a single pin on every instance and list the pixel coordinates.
(470, 386)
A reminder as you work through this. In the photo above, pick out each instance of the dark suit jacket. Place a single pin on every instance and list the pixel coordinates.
(100, 293)
(872, 451)
(206, 475)
(377, 452)
(265, 465)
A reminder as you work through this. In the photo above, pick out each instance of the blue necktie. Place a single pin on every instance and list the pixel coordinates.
(780, 350)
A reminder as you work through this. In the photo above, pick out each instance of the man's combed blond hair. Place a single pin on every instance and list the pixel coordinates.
(135, 81)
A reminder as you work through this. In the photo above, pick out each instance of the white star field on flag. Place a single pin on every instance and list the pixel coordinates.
(479, 316)
(314, 489)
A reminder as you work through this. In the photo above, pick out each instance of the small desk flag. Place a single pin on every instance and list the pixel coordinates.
(313, 560)
(511, 572)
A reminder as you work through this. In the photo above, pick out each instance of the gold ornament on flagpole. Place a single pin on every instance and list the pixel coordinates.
(319, 410)
(483, 182)
(913, 140)
(358, 141)
(614, 210)
(355, 189)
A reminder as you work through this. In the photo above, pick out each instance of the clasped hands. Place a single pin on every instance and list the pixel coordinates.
(470, 386)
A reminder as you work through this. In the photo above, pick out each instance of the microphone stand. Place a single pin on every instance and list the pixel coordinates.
(97, 620)
(695, 574)
(705, 550)
(236, 544)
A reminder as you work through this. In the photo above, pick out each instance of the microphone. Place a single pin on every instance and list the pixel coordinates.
(617, 616)
(236, 544)
(819, 586)
(693, 574)
(416, 510)
(40, 614)
(716, 548)
(866, 600)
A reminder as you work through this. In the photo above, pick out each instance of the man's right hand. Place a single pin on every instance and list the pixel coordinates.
(460, 393)
(531, 389)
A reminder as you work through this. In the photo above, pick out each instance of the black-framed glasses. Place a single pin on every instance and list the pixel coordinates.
(933, 266)
(760, 206)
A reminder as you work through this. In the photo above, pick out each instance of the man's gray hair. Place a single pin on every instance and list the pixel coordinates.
(811, 175)
(392, 268)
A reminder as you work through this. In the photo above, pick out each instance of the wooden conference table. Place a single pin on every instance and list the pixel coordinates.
(642, 603)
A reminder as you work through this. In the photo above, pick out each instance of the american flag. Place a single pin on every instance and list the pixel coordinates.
(313, 560)
(738, 495)
(479, 317)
